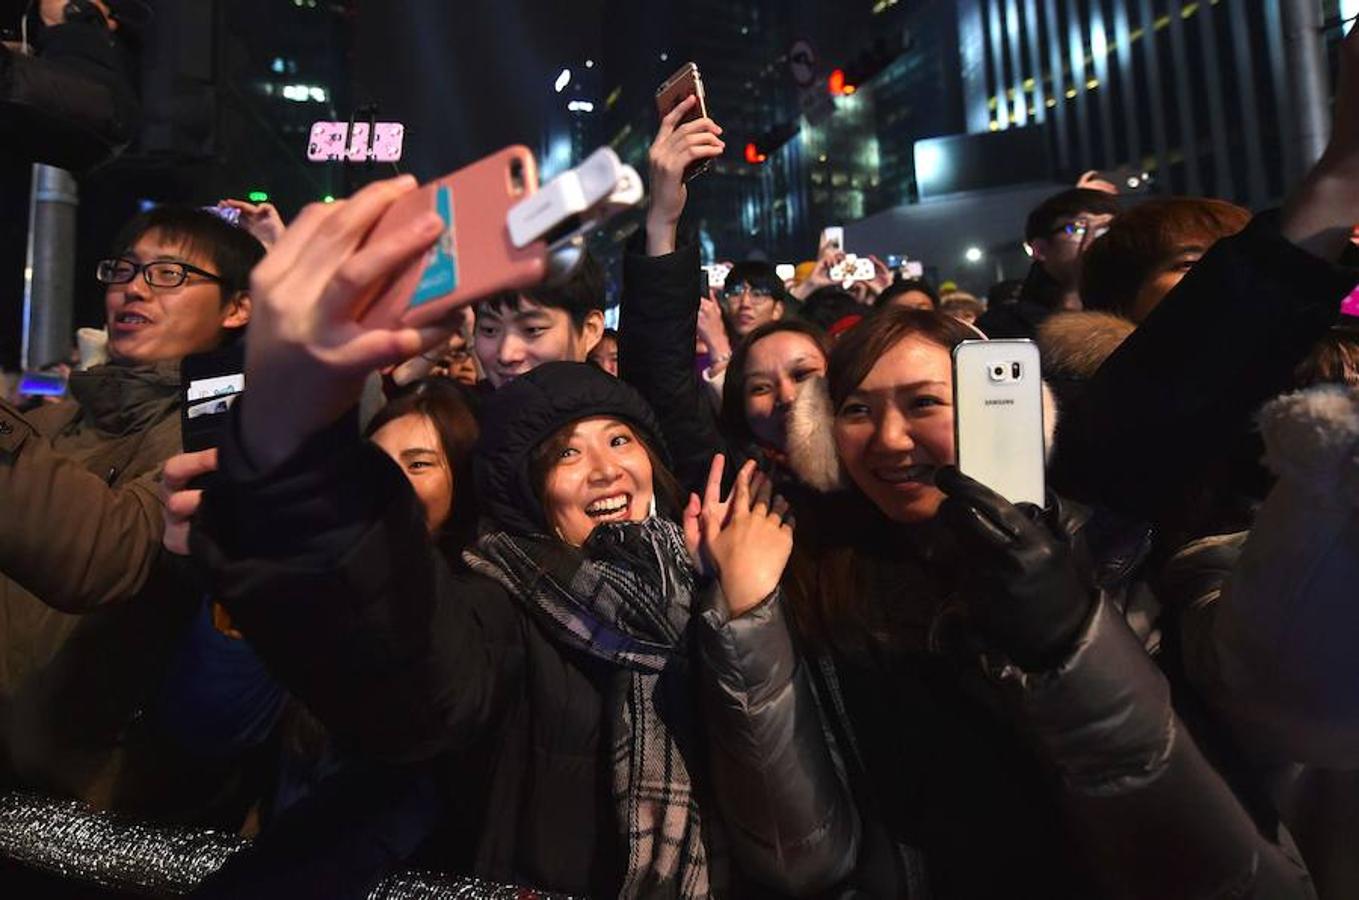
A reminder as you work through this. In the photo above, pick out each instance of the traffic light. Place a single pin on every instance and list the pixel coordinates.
(866, 66)
(753, 154)
(839, 84)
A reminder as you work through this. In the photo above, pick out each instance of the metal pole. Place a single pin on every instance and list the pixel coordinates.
(49, 268)
(1306, 56)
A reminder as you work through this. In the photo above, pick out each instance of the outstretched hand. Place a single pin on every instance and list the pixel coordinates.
(745, 539)
(677, 146)
(311, 345)
(260, 220)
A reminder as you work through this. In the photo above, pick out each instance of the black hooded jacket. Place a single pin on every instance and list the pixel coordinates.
(326, 567)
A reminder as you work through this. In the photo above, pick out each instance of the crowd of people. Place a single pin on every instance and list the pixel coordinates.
(702, 606)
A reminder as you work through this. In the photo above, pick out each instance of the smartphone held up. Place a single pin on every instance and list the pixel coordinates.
(998, 417)
(474, 256)
(676, 89)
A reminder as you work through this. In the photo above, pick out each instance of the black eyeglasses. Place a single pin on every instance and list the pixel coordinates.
(161, 273)
(758, 293)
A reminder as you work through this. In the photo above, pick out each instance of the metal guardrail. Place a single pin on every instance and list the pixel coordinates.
(70, 840)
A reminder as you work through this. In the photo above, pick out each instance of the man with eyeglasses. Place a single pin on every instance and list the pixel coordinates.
(752, 295)
(1057, 233)
(89, 606)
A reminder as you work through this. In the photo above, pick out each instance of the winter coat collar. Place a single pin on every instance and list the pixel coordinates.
(120, 399)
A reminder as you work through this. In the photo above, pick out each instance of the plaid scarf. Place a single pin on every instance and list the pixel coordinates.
(625, 597)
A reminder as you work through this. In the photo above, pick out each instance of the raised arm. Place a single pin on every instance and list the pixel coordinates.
(660, 305)
(314, 539)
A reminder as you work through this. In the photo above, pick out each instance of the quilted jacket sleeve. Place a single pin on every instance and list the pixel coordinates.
(789, 813)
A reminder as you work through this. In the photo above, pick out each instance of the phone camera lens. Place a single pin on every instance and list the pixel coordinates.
(999, 371)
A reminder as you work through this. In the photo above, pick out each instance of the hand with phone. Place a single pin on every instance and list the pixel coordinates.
(831, 256)
(1023, 587)
(261, 220)
(179, 500)
(311, 343)
(677, 146)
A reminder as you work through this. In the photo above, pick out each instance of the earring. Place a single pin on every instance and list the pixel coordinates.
(651, 510)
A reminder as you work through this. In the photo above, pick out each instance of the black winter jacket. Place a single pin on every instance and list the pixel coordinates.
(326, 567)
(1164, 431)
(658, 324)
(976, 779)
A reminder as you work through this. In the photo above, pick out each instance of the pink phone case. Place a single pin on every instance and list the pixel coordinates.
(474, 257)
(327, 143)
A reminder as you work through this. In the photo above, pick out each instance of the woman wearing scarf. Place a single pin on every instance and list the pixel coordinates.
(547, 677)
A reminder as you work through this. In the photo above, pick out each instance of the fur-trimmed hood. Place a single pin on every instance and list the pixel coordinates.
(1312, 438)
(1076, 344)
(811, 438)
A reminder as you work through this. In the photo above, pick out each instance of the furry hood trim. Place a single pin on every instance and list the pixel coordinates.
(1076, 344)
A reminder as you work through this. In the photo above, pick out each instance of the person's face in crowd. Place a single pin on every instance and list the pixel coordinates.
(413, 442)
(1060, 250)
(512, 340)
(912, 300)
(1163, 278)
(605, 355)
(776, 367)
(601, 473)
(750, 306)
(153, 324)
(457, 362)
(897, 426)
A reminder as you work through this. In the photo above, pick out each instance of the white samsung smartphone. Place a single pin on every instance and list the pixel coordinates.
(998, 417)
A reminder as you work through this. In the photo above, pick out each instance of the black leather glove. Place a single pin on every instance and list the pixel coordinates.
(1025, 593)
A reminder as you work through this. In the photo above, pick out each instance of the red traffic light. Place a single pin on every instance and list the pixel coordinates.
(838, 84)
(753, 154)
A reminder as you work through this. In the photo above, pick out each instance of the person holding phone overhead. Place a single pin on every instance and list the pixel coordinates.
(1005, 732)
(548, 676)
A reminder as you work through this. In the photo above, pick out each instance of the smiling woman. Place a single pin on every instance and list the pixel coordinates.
(595, 471)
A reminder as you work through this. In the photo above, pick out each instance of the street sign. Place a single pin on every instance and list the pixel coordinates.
(802, 63)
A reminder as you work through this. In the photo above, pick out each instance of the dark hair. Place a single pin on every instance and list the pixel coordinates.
(956, 304)
(1334, 359)
(232, 251)
(449, 408)
(578, 296)
(906, 286)
(856, 354)
(758, 273)
(1045, 216)
(733, 414)
(663, 483)
(826, 306)
(1115, 266)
